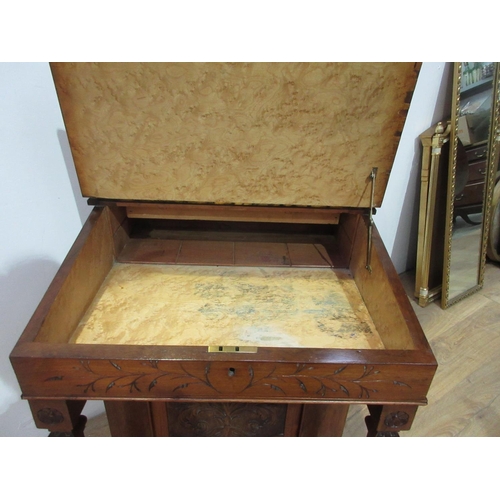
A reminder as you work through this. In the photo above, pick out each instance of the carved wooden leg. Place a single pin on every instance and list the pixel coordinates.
(388, 420)
(76, 432)
(60, 417)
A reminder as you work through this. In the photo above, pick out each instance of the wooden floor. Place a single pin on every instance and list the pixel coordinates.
(464, 399)
(464, 396)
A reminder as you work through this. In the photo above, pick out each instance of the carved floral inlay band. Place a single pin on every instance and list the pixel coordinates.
(226, 419)
(191, 379)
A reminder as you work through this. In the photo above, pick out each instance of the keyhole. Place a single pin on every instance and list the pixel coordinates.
(231, 372)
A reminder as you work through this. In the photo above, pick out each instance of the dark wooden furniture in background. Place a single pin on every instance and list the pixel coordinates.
(171, 153)
(470, 200)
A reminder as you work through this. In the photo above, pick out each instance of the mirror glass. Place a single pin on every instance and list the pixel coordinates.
(468, 176)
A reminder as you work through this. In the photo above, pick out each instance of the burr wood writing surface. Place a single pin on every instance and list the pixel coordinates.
(246, 133)
(243, 306)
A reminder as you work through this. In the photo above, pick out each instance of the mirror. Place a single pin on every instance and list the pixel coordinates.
(470, 179)
(493, 244)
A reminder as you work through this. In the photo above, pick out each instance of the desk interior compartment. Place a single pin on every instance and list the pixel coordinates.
(168, 282)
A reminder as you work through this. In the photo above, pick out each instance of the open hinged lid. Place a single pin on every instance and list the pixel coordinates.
(295, 134)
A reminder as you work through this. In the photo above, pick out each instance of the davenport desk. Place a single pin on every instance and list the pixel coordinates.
(230, 279)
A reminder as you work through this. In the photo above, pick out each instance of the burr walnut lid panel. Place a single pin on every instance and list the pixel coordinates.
(296, 134)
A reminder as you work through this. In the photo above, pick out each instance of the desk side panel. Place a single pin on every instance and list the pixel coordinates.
(383, 293)
(78, 278)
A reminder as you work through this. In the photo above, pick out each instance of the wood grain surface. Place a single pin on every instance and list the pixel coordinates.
(184, 211)
(382, 292)
(244, 133)
(236, 306)
(77, 291)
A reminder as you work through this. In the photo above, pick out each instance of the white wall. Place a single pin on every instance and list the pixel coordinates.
(39, 218)
(397, 219)
(41, 209)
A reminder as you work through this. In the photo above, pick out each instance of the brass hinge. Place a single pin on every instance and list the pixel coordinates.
(373, 177)
(225, 348)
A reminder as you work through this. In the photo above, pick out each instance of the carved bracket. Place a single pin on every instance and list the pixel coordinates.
(50, 416)
(396, 420)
